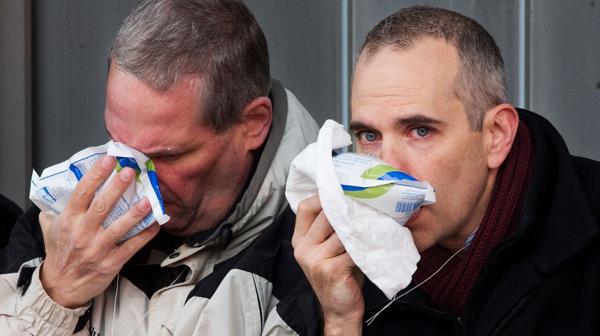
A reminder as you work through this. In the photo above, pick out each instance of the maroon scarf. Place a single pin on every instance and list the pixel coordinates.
(449, 290)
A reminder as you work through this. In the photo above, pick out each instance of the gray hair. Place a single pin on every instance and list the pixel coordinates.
(480, 83)
(218, 40)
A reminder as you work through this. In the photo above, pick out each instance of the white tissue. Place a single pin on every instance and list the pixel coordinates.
(383, 249)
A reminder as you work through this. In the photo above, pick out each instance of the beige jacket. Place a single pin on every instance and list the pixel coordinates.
(218, 291)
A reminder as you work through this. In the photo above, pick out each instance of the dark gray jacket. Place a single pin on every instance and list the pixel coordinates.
(544, 279)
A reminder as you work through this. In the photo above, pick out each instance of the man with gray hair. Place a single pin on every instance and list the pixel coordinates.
(188, 86)
(511, 247)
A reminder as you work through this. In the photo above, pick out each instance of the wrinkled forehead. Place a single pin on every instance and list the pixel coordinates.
(142, 117)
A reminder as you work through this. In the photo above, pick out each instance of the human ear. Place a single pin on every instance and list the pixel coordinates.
(256, 122)
(500, 127)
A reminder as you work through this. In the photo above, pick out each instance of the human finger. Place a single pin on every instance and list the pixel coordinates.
(86, 188)
(104, 201)
(332, 247)
(320, 229)
(112, 234)
(308, 210)
(126, 250)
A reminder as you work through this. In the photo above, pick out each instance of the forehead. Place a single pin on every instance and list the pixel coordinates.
(419, 79)
(145, 118)
(428, 63)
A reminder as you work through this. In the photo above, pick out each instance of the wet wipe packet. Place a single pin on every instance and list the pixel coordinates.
(381, 186)
(52, 190)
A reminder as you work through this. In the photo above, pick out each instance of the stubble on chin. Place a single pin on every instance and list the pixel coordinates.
(179, 225)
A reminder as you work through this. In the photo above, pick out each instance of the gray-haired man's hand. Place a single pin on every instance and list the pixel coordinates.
(82, 258)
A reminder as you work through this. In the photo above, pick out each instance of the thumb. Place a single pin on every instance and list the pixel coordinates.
(46, 218)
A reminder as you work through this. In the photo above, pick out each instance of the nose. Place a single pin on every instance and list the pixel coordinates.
(394, 154)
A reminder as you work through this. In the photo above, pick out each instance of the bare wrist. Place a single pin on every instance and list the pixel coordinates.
(54, 292)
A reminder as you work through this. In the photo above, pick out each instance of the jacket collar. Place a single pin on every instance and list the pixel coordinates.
(555, 223)
(221, 235)
(555, 207)
(292, 129)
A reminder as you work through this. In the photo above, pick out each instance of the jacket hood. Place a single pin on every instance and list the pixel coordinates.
(292, 129)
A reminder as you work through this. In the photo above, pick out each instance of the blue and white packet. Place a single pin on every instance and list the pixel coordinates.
(377, 184)
(52, 190)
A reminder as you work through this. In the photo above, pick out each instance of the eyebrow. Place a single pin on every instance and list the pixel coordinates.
(417, 119)
(357, 126)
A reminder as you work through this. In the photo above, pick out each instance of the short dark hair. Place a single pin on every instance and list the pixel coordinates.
(480, 83)
(218, 40)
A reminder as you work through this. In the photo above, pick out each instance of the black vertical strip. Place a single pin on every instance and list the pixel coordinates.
(36, 141)
(346, 55)
(24, 279)
(527, 54)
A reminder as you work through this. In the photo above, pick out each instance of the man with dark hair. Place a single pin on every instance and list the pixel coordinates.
(511, 247)
(188, 86)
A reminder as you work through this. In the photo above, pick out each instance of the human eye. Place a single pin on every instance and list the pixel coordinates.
(421, 132)
(367, 136)
(169, 156)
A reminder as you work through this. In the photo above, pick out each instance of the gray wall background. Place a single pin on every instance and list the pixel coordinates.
(53, 66)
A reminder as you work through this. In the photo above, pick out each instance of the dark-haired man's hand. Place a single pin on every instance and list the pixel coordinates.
(331, 272)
